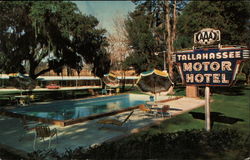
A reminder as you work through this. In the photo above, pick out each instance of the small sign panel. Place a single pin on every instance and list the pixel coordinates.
(210, 67)
(207, 36)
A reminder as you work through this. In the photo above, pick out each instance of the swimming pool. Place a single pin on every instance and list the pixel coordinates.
(73, 110)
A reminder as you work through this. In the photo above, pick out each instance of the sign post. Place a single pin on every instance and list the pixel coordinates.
(209, 65)
(207, 108)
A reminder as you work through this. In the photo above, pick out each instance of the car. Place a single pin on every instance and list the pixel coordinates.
(53, 86)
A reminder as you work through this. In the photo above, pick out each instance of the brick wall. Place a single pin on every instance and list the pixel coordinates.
(192, 91)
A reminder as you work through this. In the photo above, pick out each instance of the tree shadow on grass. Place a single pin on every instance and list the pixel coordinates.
(174, 122)
(230, 91)
(216, 117)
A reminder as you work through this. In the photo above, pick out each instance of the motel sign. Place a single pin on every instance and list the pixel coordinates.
(210, 67)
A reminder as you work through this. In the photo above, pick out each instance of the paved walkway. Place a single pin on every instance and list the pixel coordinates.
(87, 133)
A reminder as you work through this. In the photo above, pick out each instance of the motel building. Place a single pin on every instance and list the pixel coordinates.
(85, 78)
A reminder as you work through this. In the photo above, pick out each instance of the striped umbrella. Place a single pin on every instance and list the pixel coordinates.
(154, 81)
(111, 80)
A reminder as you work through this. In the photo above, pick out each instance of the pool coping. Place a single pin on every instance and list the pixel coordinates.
(68, 122)
(63, 123)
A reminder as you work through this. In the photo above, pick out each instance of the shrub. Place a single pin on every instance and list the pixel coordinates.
(189, 144)
(7, 155)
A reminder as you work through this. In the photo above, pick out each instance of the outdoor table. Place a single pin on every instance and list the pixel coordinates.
(155, 107)
(153, 104)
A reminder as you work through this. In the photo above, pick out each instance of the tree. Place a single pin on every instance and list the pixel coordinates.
(230, 17)
(53, 32)
(246, 71)
(141, 39)
(158, 18)
(118, 43)
(119, 47)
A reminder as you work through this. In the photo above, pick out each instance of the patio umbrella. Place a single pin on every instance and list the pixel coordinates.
(154, 81)
(111, 80)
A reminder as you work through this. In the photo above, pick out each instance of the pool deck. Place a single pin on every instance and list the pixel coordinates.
(88, 133)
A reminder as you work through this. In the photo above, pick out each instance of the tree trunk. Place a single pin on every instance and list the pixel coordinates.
(103, 84)
(168, 40)
(42, 72)
(124, 81)
(247, 78)
(171, 32)
(33, 66)
(173, 35)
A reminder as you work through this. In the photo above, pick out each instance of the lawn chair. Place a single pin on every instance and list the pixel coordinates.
(115, 122)
(146, 110)
(164, 111)
(43, 131)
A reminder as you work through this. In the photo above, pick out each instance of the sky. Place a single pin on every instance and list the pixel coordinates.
(106, 11)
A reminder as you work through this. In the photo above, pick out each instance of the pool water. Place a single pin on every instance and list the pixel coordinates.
(73, 109)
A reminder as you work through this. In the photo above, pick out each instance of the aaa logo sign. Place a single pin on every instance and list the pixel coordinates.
(207, 36)
(211, 67)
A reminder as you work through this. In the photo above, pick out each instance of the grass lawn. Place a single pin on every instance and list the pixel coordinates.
(233, 103)
(226, 102)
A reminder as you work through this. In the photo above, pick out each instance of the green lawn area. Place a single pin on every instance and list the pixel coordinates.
(232, 102)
